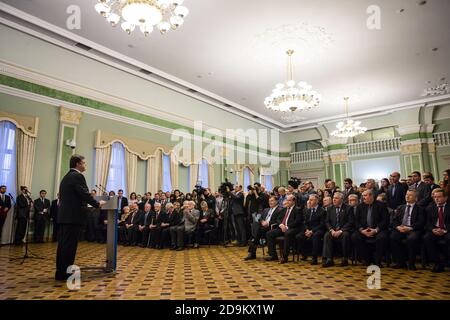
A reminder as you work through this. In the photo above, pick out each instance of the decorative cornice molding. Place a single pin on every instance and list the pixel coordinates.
(69, 116)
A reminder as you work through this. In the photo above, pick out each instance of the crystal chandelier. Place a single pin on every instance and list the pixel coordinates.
(145, 14)
(348, 128)
(292, 96)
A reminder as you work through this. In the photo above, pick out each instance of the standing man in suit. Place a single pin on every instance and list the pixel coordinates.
(288, 224)
(423, 190)
(122, 201)
(268, 218)
(238, 212)
(23, 206)
(53, 214)
(5, 205)
(437, 228)
(348, 189)
(339, 226)
(407, 224)
(314, 228)
(41, 208)
(371, 224)
(395, 195)
(74, 194)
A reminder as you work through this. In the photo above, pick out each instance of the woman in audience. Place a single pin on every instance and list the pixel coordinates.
(384, 185)
(446, 179)
(133, 198)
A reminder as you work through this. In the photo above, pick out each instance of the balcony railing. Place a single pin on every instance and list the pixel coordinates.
(371, 147)
(307, 156)
(442, 138)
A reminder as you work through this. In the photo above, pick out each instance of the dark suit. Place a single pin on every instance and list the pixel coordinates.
(74, 195)
(344, 221)
(53, 214)
(431, 240)
(260, 231)
(209, 224)
(155, 233)
(379, 221)
(417, 217)
(131, 234)
(5, 205)
(314, 221)
(23, 205)
(40, 218)
(238, 214)
(294, 224)
(173, 219)
(349, 191)
(395, 195)
(423, 192)
(123, 204)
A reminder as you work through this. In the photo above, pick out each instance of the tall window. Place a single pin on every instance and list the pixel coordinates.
(116, 175)
(247, 180)
(203, 173)
(167, 181)
(8, 156)
(267, 181)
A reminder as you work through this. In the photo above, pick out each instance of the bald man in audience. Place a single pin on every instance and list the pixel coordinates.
(371, 224)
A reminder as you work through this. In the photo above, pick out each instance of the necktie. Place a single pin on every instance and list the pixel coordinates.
(369, 216)
(407, 216)
(338, 212)
(313, 210)
(286, 216)
(145, 220)
(393, 190)
(270, 214)
(441, 217)
(3, 198)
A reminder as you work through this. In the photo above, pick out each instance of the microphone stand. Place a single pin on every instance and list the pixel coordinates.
(28, 254)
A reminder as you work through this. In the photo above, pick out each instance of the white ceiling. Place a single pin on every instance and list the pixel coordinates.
(235, 49)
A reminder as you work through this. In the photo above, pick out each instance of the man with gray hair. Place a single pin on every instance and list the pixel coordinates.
(371, 224)
(187, 225)
(339, 225)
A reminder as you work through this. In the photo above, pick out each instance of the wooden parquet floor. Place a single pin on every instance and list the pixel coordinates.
(207, 273)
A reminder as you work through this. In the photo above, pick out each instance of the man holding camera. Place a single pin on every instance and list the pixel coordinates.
(238, 213)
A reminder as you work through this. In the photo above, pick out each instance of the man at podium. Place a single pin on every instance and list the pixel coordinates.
(74, 196)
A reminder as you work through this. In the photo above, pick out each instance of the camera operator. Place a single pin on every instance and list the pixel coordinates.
(252, 206)
(209, 199)
(223, 208)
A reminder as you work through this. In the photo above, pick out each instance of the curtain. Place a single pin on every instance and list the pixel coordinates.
(174, 165)
(154, 172)
(166, 179)
(8, 173)
(102, 161)
(193, 175)
(247, 179)
(131, 171)
(211, 177)
(116, 174)
(26, 146)
(252, 176)
(203, 173)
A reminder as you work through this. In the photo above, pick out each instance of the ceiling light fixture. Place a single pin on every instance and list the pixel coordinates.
(292, 96)
(145, 14)
(348, 128)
